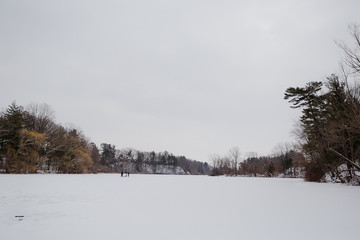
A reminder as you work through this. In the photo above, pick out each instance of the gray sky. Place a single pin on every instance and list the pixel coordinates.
(191, 77)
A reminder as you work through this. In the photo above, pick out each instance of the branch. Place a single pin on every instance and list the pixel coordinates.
(342, 156)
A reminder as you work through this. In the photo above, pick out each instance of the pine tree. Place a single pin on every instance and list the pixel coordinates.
(330, 120)
(14, 122)
(107, 154)
(271, 169)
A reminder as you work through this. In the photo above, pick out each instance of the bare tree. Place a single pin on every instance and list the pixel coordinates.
(234, 156)
(41, 118)
(352, 55)
(284, 151)
(282, 148)
(215, 160)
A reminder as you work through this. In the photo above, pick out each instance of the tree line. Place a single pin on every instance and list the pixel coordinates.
(136, 161)
(329, 127)
(328, 131)
(31, 142)
(286, 161)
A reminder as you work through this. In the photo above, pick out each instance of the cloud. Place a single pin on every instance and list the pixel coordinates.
(190, 77)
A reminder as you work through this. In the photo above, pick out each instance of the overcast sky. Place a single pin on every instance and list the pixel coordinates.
(190, 77)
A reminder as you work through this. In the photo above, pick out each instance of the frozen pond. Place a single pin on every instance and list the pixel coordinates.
(106, 206)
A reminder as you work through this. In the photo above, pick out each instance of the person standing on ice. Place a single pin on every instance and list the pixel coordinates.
(122, 173)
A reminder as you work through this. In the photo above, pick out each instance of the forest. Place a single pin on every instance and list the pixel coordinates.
(329, 126)
(327, 148)
(284, 162)
(31, 142)
(328, 131)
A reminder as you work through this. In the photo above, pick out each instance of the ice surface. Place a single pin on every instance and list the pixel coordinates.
(106, 206)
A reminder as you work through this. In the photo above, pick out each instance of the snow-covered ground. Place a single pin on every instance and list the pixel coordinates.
(106, 206)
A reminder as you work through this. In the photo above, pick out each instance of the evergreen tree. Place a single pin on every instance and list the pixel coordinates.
(11, 124)
(107, 154)
(14, 122)
(329, 121)
(271, 169)
(286, 162)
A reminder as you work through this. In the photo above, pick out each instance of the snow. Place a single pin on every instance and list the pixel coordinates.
(162, 169)
(106, 206)
(344, 175)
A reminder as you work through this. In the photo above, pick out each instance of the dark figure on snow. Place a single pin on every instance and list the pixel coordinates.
(122, 173)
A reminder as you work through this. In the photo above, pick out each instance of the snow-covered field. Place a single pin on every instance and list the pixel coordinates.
(106, 206)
